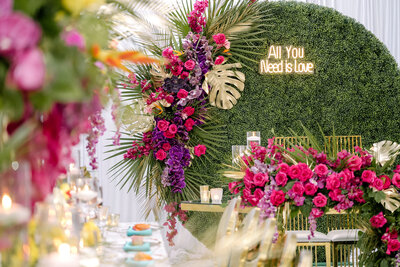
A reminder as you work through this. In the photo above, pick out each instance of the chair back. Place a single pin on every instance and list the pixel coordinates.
(228, 220)
(306, 259)
(289, 251)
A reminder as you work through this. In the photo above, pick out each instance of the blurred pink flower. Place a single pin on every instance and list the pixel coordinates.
(28, 69)
(74, 38)
(6, 7)
(17, 32)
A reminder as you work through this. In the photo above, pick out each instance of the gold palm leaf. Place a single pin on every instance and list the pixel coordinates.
(225, 85)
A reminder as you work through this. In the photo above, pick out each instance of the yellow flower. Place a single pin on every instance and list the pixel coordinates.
(77, 6)
(91, 234)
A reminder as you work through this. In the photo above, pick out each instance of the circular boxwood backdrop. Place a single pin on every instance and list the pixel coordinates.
(355, 87)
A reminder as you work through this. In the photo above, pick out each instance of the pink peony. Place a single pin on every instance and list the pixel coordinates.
(316, 213)
(393, 245)
(332, 182)
(182, 94)
(17, 33)
(200, 150)
(321, 170)
(354, 163)
(166, 146)
(219, 60)
(396, 180)
(74, 38)
(162, 125)
(320, 200)
(377, 184)
(294, 171)
(260, 179)
(161, 154)
(277, 197)
(298, 189)
(310, 189)
(281, 179)
(28, 70)
(378, 220)
(219, 38)
(283, 167)
(368, 176)
(189, 123)
(190, 64)
(173, 129)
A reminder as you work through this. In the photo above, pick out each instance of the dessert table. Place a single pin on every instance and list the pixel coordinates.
(112, 254)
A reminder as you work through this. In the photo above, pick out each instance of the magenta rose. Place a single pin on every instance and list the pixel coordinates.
(320, 200)
(248, 179)
(189, 123)
(28, 70)
(177, 70)
(219, 38)
(386, 181)
(283, 167)
(336, 194)
(396, 180)
(354, 163)
(162, 125)
(332, 182)
(368, 176)
(184, 75)
(310, 189)
(168, 52)
(219, 60)
(168, 134)
(378, 220)
(298, 189)
(294, 171)
(258, 193)
(190, 64)
(281, 179)
(321, 170)
(200, 150)
(188, 111)
(306, 174)
(169, 99)
(393, 245)
(173, 129)
(166, 146)
(377, 184)
(316, 213)
(260, 179)
(161, 154)
(277, 197)
(182, 94)
(234, 187)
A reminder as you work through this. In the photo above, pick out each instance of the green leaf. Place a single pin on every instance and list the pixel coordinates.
(379, 196)
(11, 103)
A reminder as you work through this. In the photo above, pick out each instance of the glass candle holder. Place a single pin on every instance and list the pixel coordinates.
(253, 137)
(216, 195)
(204, 194)
(113, 220)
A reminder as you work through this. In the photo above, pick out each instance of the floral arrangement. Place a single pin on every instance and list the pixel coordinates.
(313, 182)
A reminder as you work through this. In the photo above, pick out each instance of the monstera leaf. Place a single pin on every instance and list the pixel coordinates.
(385, 151)
(158, 75)
(225, 85)
(392, 199)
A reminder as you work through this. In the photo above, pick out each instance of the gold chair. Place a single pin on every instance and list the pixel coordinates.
(306, 259)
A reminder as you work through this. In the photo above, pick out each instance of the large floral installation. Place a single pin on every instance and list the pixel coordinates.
(313, 180)
(201, 55)
(55, 76)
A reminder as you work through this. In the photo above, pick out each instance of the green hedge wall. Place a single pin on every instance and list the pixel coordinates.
(355, 87)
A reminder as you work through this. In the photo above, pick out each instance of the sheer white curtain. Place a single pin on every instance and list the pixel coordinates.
(381, 17)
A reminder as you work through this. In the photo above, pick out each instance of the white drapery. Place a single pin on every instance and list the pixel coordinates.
(381, 17)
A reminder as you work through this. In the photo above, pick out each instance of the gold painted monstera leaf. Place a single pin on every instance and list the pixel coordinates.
(225, 85)
(158, 75)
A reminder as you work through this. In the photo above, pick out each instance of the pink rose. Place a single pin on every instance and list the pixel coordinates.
(260, 179)
(200, 150)
(166, 146)
(302, 166)
(281, 179)
(173, 129)
(277, 197)
(168, 52)
(306, 174)
(184, 75)
(188, 111)
(283, 167)
(298, 188)
(320, 200)
(258, 193)
(255, 198)
(74, 38)
(368, 176)
(310, 189)
(248, 179)
(219, 60)
(219, 38)
(161, 154)
(234, 187)
(316, 213)
(386, 181)
(377, 184)
(396, 180)
(162, 125)
(182, 94)
(190, 64)
(332, 182)
(28, 70)
(294, 171)
(335, 194)
(321, 170)
(189, 123)
(177, 70)
(354, 163)
(393, 245)
(378, 220)
(168, 134)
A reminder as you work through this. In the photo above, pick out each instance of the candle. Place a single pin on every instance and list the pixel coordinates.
(216, 195)
(204, 194)
(74, 172)
(253, 137)
(86, 194)
(12, 213)
(63, 258)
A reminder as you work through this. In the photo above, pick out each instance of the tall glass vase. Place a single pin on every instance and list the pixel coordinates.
(15, 212)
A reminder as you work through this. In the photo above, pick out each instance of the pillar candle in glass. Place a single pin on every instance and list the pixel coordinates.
(216, 195)
(204, 194)
(253, 137)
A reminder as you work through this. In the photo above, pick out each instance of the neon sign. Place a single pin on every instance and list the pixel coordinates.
(292, 63)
